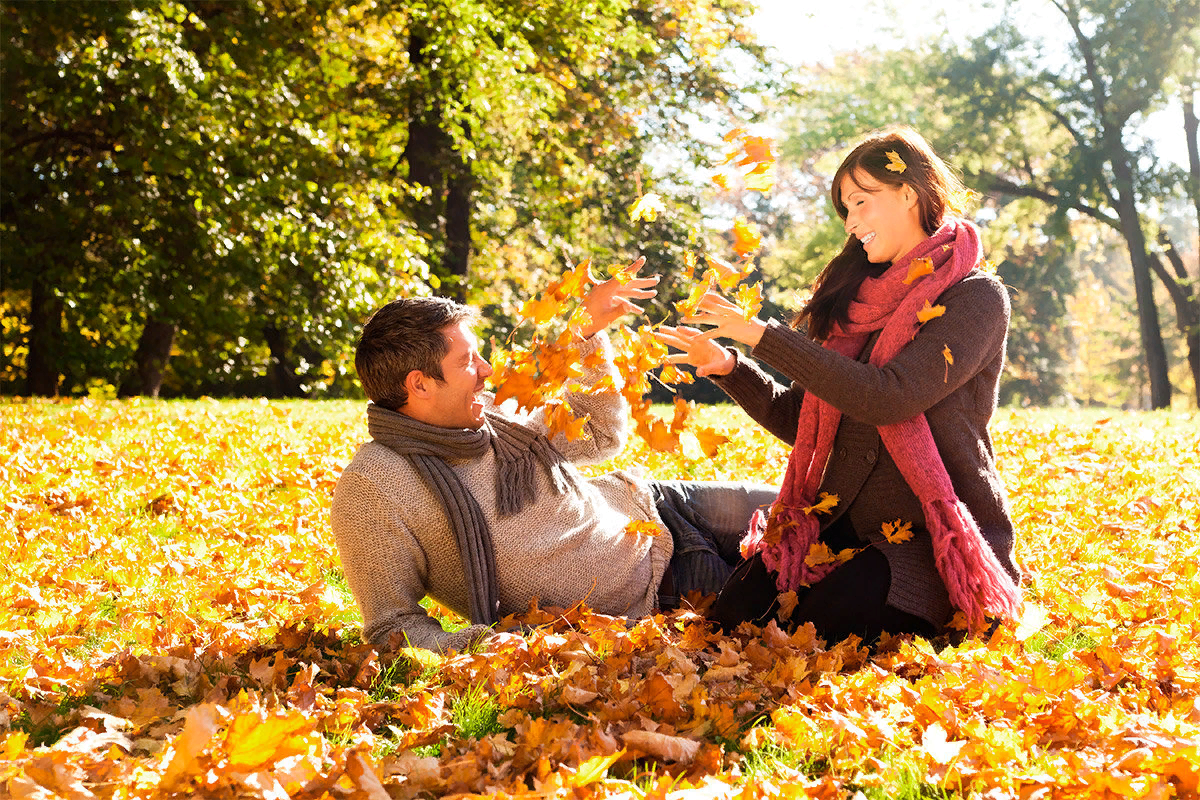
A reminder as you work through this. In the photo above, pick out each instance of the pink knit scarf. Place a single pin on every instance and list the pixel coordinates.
(976, 581)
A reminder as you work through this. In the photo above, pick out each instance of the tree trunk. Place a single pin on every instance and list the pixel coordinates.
(45, 335)
(150, 359)
(284, 379)
(1148, 323)
(458, 230)
(1190, 126)
(1182, 289)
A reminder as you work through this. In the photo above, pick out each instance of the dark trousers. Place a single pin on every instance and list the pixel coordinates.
(707, 520)
(850, 600)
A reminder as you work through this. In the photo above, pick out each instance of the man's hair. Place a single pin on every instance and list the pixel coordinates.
(403, 336)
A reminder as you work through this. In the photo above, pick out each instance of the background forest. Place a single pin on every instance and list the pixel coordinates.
(208, 198)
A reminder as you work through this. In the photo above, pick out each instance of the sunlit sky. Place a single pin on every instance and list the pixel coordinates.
(804, 32)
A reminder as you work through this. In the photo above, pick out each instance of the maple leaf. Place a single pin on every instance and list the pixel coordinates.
(722, 180)
(895, 162)
(647, 207)
(724, 274)
(662, 745)
(949, 357)
(541, 309)
(746, 236)
(787, 604)
(687, 307)
(825, 505)
(818, 554)
(595, 768)
(642, 527)
(897, 532)
(918, 268)
(672, 374)
(758, 181)
(929, 312)
(689, 261)
(749, 300)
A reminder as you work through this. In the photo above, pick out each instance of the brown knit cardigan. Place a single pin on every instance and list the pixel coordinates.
(958, 400)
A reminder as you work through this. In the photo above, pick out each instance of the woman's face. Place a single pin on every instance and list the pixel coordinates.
(886, 219)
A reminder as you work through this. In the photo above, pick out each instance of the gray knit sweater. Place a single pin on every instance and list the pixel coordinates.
(958, 400)
(396, 544)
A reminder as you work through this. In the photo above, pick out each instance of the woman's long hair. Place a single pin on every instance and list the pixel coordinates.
(939, 192)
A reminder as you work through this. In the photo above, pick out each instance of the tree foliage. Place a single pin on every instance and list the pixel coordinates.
(232, 185)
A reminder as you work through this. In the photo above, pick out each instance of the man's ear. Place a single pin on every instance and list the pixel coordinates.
(417, 384)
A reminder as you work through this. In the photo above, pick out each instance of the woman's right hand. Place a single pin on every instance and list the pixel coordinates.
(708, 357)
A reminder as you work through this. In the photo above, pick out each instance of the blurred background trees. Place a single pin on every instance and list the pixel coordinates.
(210, 197)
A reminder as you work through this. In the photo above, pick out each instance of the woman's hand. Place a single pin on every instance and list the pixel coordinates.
(609, 300)
(714, 309)
(708, 357)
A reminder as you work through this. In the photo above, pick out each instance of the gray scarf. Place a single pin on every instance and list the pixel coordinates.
(517, 449)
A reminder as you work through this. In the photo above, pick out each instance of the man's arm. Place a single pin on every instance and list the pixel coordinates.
(387, 568)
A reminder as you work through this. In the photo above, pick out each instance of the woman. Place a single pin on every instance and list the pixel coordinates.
(892, 389)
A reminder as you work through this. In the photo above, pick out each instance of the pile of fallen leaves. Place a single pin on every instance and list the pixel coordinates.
(175, 623)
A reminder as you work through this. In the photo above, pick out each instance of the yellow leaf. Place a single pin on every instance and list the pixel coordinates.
(541, 309)
(647, 208)
(929, 312)
(825, 505)
(253, 741)
(749, 300)
(722, 180)
(918, 268)
(758, 181)
(14, 745)
(897, 532)
(687, 306)
(895, 162)
(595, 768)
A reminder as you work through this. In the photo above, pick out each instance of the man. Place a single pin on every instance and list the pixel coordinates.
(473, 505)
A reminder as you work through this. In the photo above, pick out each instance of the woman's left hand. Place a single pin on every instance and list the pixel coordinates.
(714, 309)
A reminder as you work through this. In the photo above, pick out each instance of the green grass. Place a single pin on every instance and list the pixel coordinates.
(475, 714)
(1054, 647)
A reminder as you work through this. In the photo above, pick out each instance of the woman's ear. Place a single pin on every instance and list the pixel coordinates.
(910, 196)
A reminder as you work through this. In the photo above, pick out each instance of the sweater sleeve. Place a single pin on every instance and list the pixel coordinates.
(769, 403)
(605, 432)
(387, 569)
(972, 329)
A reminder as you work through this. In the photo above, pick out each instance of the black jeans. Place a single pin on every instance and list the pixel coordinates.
(850, 600)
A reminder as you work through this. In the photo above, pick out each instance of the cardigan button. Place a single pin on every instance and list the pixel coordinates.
(870, 456)
(843, 453)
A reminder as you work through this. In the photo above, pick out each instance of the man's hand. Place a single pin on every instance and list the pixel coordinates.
(708, 357)
(714, 309)
(609, 300)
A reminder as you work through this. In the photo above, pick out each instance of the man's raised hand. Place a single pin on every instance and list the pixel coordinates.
(609, 300)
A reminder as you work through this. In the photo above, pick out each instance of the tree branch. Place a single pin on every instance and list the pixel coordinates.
(992, 181)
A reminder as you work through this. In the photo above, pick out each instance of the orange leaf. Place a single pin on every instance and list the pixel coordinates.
(746, 237)
(897, 532)
(946, 354)
(929, 312)
(722, 180)
(918, 268)
(825, 505)
(642, 527)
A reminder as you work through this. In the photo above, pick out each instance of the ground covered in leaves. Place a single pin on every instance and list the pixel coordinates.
(175, 623)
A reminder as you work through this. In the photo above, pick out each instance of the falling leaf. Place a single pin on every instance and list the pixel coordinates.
(918, 268)
(647, 208)
(787, 604)
(746, 237)
(897, 532)
(722, 180)
(749, 300)
(895, 162)
(825, 504)
(929, 312)
(759, 181)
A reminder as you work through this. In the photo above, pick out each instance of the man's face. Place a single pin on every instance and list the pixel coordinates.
(456, 402)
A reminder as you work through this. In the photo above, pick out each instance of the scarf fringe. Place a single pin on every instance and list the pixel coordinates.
(974, 578)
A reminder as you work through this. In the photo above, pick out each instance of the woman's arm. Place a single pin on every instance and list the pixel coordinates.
(972, 331)
(769, 403)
